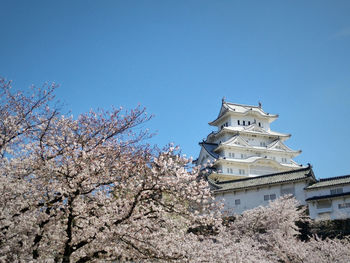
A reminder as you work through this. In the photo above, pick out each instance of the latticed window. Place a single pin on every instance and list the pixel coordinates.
(336, 191)
(269, 197)
(287, 190)
(324, 204)
(345, 205)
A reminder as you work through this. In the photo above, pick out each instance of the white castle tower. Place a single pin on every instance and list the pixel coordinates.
(244, 145)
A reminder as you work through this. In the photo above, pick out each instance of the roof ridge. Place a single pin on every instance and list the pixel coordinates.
(243, 105)
(266, 175)
(334, 178)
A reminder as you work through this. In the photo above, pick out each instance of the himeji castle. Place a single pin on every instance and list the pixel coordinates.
(244, 145)
(250, 165)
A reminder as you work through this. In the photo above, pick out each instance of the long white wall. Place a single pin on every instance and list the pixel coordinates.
(249, 199)
(327, 190)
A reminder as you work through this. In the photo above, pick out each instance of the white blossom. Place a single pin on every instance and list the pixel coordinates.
(90, 189)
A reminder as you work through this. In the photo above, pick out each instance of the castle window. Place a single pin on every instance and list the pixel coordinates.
(241, 171)
(239, 123)
(259, 124)
(248, 122)
(237, 201)
(243, 123)
(324, 204)
(345, 205)
(269, 197)
(336, 191)
(287, 190)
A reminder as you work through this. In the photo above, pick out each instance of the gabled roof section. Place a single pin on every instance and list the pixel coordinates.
(280, 146)
(236, 141)
(265, 180)
(209, 147)
(254, 128)
(241, 109)
(329, 182)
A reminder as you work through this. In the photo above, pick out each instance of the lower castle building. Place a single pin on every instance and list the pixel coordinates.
(250, 165)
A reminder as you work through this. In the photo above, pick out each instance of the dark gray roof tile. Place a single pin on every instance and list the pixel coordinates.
(326, 182)
(327, 196)
(269, 179)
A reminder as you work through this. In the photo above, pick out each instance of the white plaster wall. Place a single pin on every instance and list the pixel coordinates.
(261, 170)
(234, 122)
(250, 199)
(237, 154)
(235, 169)
(250, 169)
(330, 213)
(326, 190)
(223, 122)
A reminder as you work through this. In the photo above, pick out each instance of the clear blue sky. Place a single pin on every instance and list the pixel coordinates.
(179, 58)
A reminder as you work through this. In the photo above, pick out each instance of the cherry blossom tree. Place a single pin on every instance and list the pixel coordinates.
(76, 190)
(89, 189)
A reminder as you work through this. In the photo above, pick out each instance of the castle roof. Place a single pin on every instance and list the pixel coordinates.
(238, 141)
(209, 148)
(265, 180)
(242, 110)
(250, 130)
(327, 196)
(332, 181)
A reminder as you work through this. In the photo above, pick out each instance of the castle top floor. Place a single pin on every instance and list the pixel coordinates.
(238, 115)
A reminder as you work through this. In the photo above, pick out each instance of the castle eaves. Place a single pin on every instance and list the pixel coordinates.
(265, 180)
(333, 181)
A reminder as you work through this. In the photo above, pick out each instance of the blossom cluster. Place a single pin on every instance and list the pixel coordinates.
(91, 190)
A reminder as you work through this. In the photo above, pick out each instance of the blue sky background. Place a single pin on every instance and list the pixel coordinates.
(179, 58)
